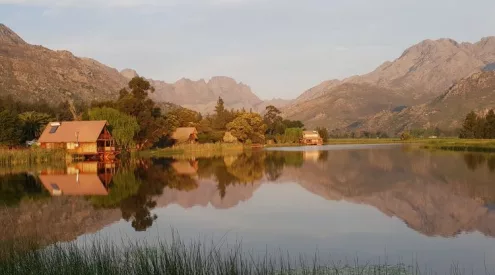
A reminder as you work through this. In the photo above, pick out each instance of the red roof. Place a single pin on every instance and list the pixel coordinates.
(72, 131)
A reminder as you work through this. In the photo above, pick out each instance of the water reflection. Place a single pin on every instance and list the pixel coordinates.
(434, 194)
(79, 179)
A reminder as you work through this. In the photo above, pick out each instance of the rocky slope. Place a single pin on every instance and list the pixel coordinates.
(421, 73)
(31, 73)
(342, 105)
(447, 111)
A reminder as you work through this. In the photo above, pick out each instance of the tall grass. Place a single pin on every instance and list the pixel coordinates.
(469, 145)
(196, 150)
(177, 258)
(30, 156)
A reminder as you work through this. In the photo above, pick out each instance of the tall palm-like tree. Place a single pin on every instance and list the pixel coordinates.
(33, 124)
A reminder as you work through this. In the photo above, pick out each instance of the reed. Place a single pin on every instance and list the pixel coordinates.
(196, 150)
(468, 145)
(176, 258)
(30, 156)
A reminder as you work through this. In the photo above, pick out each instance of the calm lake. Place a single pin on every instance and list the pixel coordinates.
(374, 203)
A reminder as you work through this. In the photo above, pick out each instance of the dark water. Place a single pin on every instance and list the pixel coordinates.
(374, 203)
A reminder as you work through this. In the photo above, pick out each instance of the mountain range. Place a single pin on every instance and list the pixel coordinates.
(432, 84)
(30, 73)
(202, 95)
(422, 73)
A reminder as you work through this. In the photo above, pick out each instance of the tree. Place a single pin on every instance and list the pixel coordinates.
(479, 130)
(184, 117)
(323, 132)
(291, 135)
(405, 135)
(469, 126)
(33, 124)
(64, 112)
(273, 120)
(220, 121)
(123, 127)
(490, 125)
(152, 125)
(293, 124)
(11, 132)
(248, 127)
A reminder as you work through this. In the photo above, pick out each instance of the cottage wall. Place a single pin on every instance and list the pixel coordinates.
(73, 148)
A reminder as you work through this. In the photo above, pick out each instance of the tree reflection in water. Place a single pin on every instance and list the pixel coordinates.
(137, 186)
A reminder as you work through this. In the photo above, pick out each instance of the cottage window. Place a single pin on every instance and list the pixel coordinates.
(53, 129)
(72, 145)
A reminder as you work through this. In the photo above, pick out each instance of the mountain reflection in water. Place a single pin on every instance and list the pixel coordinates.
(436, 194)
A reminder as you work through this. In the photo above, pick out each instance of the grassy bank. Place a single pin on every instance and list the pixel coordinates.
(451, 144)
(30, 156)
(363, 141)
(195, 150)
(177, 258)
(469, 145)
(221, 149)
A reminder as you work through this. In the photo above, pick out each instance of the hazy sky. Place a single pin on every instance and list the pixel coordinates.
(278, 47)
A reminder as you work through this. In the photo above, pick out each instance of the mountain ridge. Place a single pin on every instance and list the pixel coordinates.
(423, 72)
(32, 73)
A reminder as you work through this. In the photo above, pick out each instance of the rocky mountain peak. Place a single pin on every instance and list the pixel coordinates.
(222, 80)
(9, 36)
(487, 40)
(129, 73)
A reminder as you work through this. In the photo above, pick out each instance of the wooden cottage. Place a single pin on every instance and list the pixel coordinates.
(185, 135)
(88, 139)
(311, 138)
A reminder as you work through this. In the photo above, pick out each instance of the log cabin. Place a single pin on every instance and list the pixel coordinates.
(311, 138)
(86, 139)
(183, 135)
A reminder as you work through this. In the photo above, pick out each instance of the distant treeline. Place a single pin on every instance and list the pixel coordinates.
(21, 121)
(478, 127)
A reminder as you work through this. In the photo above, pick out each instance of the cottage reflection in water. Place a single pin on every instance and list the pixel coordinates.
(79, 179)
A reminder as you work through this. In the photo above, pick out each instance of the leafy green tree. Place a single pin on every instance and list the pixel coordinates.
(123, 127)
(406, 135)
(273, 120)
(185, 117)
(490, 125)
(291, 135)
(134, 101)
(323, 132)
(33, 124)
(293, 124)
(469, 126)
(479, 130)
(11, 131)
(248, 126)
(220, 120)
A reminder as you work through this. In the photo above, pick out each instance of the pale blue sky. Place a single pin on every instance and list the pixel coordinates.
(278, 47)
